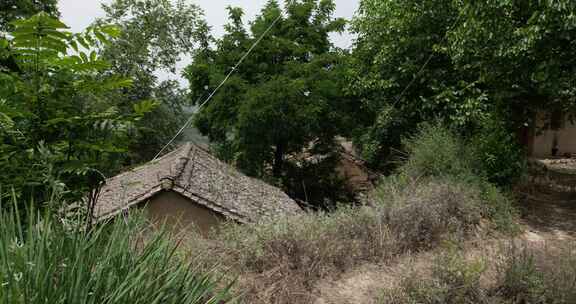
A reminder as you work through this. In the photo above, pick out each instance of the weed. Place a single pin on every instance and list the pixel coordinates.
(46, 263)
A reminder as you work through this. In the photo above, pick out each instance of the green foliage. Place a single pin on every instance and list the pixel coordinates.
(520, 278)
(374, 140)
(285, 97)
(318, 182)
(521, 51)
(401, 78)
(120, 262)
(498, 152)
(460, 62)
(437, 152)
(154, 36)
(491, 153)
(55, 107)
(11, 10)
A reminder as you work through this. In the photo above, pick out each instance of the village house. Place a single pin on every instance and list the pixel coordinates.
(191, 189)
(553, 136)
(551, 147)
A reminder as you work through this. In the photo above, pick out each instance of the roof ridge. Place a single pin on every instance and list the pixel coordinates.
(145, 165)
(180, 163)
(202, 177)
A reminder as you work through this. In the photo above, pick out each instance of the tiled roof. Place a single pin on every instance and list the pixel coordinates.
(196, 174)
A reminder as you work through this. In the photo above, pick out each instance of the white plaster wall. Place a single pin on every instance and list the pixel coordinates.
(543, 141)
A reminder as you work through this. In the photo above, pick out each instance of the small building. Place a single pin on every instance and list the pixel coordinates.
(553, 136)
(190, 188)
(359, 178)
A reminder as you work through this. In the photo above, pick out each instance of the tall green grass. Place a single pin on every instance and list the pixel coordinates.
(42, 261)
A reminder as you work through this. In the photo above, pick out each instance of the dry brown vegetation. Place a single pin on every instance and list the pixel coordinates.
(437, 195)
(283, 261)
(516, 272)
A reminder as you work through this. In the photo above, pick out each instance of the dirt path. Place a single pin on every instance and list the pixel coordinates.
(544, 217)
(550, 214)
(363, 284)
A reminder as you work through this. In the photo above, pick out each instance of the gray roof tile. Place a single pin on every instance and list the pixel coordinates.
(198, 175)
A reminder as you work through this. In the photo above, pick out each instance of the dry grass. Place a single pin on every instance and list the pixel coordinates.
(282, 261)
(518, 273)
(436, 195)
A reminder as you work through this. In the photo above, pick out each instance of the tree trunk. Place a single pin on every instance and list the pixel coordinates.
(278, 160)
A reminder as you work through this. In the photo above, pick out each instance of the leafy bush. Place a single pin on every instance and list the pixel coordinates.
(45, 263)
(436, 152)
(521, 280)
(490, 153)
(376, 141)
(499, 208)
(424, 213)
(497, 152)
(54, 99)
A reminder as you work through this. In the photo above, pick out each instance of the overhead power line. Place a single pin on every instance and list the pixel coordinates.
(189, 121)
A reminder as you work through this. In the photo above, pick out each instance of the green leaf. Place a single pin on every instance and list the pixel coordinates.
(82, 41)
(89, 39)
(101, 37)
(74, 45)
(111, 30)
(145, 106)
(84, 57)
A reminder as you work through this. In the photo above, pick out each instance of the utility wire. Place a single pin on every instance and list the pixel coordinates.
(189, 121)
(424, 65)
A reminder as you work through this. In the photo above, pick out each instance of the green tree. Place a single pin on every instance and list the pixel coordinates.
(402, 76)
(58, 126)
(11, 10)
(285, 96)
(521, 51)
(155, 34)
(464, 62)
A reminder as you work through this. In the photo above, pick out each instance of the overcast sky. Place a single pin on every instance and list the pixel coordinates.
(78, 14)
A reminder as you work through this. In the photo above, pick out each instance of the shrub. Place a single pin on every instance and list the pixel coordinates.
(521, 281)
(426, 212)
(436, 152)
(281, 261)
(454, 280)
(539, 274)
(497, 152)
(45, 263)
(285, 258)
(525, 274)
(491, 153)
(499, 208)
(435, 196)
